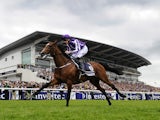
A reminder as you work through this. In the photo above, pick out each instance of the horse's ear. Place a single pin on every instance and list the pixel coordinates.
(55, 41)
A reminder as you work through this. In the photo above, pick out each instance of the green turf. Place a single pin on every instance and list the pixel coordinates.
(79, 110)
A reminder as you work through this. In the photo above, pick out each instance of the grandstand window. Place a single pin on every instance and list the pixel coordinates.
(12, 57)
(26, 56)
(43, 63)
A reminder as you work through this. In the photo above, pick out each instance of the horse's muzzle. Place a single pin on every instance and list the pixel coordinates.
(43, 55)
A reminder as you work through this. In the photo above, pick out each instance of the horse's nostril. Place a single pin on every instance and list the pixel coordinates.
(42, 54)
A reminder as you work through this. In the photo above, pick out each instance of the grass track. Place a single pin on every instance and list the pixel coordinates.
(79, 110)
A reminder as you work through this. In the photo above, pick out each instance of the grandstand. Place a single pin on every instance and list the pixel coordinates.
(20, 60)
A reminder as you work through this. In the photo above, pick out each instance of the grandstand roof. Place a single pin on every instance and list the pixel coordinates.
(97, 51)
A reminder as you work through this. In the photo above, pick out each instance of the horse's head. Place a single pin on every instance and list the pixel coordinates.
(49, 47)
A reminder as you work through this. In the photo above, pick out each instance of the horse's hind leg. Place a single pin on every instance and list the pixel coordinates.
(105, 80)
(113, 87)
(95, 82)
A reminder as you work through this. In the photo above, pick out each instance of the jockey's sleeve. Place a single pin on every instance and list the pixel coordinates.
(77, 46)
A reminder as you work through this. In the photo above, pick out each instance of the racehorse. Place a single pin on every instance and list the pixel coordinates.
(67, 72)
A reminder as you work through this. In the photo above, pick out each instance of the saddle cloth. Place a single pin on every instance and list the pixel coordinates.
(88, 69)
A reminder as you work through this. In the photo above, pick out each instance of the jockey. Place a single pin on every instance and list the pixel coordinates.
(76, 49)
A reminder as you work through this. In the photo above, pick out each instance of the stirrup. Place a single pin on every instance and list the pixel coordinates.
(82, 71)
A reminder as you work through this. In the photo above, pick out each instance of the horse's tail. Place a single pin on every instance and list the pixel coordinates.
(118, 71)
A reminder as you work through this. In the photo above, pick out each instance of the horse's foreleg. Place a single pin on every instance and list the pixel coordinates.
(69, 85)
(52, 82)
(44, 86)
(96, 83)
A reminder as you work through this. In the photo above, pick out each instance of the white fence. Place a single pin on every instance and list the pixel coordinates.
(58, 94)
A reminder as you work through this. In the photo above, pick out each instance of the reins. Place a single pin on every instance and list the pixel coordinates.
(63, 66)
(66, 64)
(54, 54)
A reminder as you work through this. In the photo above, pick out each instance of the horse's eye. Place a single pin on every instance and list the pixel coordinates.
(49, 46)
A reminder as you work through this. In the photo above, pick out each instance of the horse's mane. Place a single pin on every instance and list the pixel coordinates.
(62, 48)
(60, 45)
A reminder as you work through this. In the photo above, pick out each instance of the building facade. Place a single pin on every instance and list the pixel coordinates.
(20, 60)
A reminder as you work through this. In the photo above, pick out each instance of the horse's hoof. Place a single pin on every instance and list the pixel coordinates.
(33, 97)
(67, 104)
(109, 103)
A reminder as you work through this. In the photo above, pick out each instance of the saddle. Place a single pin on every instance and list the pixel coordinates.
(84, 67)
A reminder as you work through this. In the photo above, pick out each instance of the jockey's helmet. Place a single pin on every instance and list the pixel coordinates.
(66, 36)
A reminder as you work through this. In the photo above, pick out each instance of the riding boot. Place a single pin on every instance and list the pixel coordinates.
(76, 61)
(79, 64)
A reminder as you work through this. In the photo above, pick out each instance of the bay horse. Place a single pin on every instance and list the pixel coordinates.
(67, 72)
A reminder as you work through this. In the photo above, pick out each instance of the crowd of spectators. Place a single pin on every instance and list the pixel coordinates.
(46, 73)
(122, 86)
(18, 84)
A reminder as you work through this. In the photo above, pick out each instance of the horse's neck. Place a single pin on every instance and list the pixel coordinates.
(59, 58)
